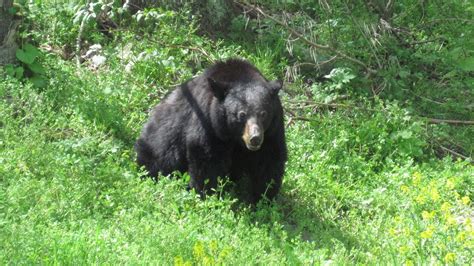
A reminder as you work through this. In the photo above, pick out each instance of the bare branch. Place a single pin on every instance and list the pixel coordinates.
(294, 116)
(454, 153)
(319, 64)
(309, 104)
(449, 121)
(427, 41)
(433, 21)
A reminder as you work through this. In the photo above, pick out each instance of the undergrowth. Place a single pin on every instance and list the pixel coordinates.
(362, 183)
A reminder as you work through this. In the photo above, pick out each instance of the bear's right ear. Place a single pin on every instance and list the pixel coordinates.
(275, 86)
(218, 88)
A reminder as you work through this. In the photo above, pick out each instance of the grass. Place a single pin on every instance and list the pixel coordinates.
(361, 187)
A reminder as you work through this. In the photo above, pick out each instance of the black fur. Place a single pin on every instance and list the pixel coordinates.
(197, 128)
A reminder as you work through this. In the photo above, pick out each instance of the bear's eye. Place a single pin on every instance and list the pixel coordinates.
(263, 114)
(242, 115)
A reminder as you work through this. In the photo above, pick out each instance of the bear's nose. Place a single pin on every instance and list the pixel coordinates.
(256, 140)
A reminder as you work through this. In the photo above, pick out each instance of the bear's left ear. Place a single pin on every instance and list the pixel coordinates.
(218, 88)
(275, 86)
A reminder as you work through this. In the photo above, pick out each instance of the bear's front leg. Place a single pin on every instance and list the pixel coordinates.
(202, 179)
(205, 169)
(266, 177)
(267, 184)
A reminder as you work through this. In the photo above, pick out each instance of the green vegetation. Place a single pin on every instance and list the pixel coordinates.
(365, 182)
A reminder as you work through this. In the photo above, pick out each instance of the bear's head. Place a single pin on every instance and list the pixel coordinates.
(249, 108)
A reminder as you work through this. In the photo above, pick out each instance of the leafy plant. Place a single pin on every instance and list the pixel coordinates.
(30, 66)
(93, 11)
(339, 77)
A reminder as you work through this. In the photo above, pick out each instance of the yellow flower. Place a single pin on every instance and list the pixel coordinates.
(409, 263)
(434, 194)
(213, 245)
(392, 231)
(406, 231)
(461, 236)
(450, 183)
(179, 261)
(445, 207)
(403, 249)
(465, 200)
(420, 199)
(397, 219)
(416, 178)
(468, 222)
(208, 261)
(450, 257)
(198, 250)
(224, 253)
(428, 233)
(427, 215)
(450, 220)
(404, 188)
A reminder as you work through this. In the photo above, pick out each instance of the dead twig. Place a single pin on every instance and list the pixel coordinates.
(309, 104)
(318, 65)
(433, 21)
(427, 41)
(454, 153)
(449, 121)
(294, 117)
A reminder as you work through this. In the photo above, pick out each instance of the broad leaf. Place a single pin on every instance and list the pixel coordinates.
(30, 49)
(25, 57)
(37, 68)
(10, 69)
(38, 81)
(19, 72)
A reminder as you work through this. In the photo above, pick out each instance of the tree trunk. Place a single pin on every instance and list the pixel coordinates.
(8, 26)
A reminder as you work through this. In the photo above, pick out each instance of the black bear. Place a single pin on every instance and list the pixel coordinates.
(227, 121)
